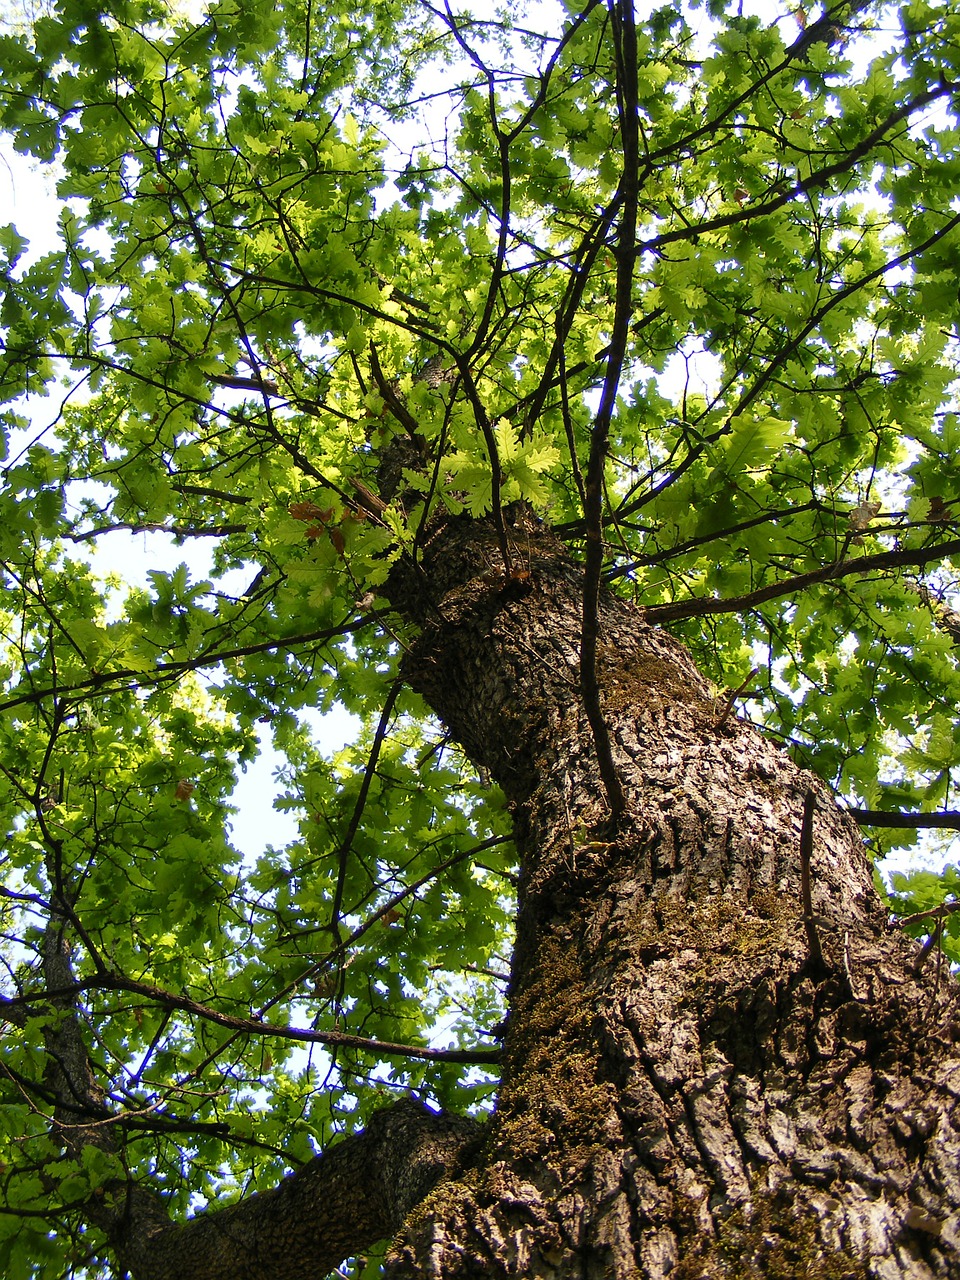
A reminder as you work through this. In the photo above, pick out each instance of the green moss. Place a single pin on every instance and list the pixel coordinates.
(718, 927)
(551, 1083)
(773, 1245)
(553, 1109)
(639, 677)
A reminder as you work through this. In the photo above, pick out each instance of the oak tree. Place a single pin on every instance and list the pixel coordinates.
(569, 395)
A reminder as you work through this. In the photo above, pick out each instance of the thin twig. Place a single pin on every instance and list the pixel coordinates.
(806, 853)
(108, 682)
(728, 705)
(343, 853)
(250, 1026)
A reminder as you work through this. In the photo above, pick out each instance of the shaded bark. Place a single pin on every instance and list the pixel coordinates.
(687, 1091)
(353, 1195)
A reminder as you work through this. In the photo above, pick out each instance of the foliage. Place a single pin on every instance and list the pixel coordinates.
(282, 250)
(928, 905)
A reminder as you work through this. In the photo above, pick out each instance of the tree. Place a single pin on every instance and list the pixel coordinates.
(598, 452)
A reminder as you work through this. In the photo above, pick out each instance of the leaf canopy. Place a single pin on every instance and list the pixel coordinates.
(294, 237)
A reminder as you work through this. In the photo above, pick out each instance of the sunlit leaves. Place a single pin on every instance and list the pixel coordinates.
(522, 466)
(929, 902)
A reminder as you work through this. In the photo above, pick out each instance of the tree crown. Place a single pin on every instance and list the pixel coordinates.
(685, 283)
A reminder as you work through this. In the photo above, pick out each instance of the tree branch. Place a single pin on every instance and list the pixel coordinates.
(625, 41)
(338, 1205)
(252, 1026)
(108, 682)
(882, 818)
(660, 613)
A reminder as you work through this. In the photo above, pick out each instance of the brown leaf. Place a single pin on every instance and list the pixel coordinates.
(861, 516)
(308, 511)
(939, 510)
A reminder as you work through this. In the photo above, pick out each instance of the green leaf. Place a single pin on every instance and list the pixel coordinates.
(752, 440)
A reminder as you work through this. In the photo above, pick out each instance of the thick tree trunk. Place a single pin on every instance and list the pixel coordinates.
(700, 1078)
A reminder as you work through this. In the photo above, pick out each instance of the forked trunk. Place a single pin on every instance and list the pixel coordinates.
(701, 1078)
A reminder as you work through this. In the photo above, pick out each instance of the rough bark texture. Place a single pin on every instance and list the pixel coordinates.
(687, 1091)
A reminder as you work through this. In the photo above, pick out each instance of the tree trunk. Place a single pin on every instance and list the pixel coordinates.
(701, 1077)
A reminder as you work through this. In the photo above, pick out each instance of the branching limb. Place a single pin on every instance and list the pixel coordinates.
(626, 51)
(251, 1026)
(390, 398)
(109, 682)
(935, 913)
(338, 1205)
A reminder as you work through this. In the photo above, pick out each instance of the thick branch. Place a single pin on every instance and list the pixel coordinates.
(341, 1203)
(661, 613)
(882, 818)
(336, 1206)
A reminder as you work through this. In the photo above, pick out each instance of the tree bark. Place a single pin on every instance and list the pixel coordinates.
(704, 1075)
